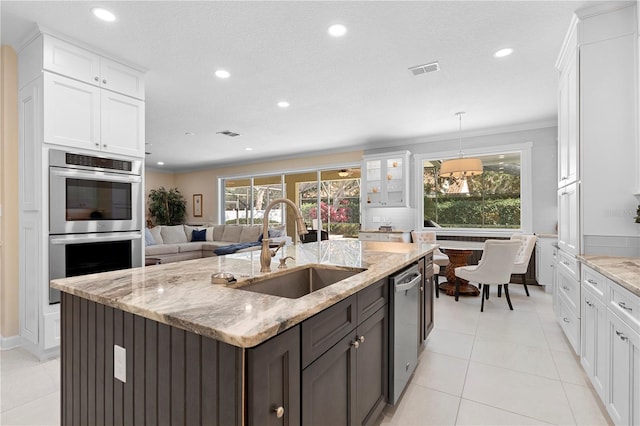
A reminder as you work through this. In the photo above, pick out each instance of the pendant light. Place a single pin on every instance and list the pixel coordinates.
(461, 167)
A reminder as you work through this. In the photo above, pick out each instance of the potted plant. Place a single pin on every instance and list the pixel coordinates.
(167, 207)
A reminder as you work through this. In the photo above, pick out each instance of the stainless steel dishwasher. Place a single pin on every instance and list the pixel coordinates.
(403, 327)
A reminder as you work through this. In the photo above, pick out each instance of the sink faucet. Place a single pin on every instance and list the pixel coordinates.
(265, 253)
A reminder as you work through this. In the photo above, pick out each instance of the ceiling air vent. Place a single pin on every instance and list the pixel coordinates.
(228, 133)
(423, 69)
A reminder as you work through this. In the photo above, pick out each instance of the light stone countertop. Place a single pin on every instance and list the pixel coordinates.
(378, 231)
(623, 270)
(180, 294)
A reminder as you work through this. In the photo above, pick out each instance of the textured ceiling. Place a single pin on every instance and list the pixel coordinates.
(350, 93)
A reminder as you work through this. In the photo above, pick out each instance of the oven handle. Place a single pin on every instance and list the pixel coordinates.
(76, 239)
(96, 176)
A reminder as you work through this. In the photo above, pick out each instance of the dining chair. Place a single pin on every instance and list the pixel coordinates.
(527, 244)
(439, 258)
(498, 262)
(436, 271)
(429, 237)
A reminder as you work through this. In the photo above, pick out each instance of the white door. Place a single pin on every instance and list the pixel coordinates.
(72, 112)
(121, 78)
(122, 124)
(593, 354)
(624, 373)
(67, 59)
(568, 219)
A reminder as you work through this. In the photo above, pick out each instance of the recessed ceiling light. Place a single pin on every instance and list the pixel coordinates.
(248, 149)
(189, 133)
(160, 163)
(283, 104)
(337, 30)
(222, 74)
(503, 52)
(103, 14)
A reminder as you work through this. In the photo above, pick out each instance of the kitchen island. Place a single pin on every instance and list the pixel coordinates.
(196, 352)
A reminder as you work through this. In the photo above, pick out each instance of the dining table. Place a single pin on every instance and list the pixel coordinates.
(458, 252)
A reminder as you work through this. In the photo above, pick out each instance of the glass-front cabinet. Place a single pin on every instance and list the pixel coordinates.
(385, 180)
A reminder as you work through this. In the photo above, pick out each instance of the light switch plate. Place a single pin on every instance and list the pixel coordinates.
(120, 363)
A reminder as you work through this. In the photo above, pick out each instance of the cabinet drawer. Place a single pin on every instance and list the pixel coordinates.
(594, 281)
(570, 323)
(569, 264)
(368, 236)
(371, 299)
(570, 289)
(325, 329)
(625, 304)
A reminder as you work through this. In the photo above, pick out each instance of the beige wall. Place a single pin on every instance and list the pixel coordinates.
(9, 325)
(205, 182)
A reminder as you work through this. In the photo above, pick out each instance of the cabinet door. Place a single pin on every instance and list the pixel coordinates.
(121, 78)
(372, 367)
(72, 112)
(373, 182)
(394, 182)
(568, 124)
(568, 219)
(329, 386)
(593, 353)
(122, 124)
(273, 390)
(69, 60)
(624, 372)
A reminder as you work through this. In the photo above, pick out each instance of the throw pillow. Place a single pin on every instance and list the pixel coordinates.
(155, 233)
(173, 234)
(148, 238)
(200, 235)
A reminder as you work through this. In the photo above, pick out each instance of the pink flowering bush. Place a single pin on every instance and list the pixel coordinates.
(329, 213)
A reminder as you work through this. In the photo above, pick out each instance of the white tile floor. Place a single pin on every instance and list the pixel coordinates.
(492, 368)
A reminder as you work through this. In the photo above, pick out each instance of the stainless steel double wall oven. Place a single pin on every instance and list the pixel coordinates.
(95, 215)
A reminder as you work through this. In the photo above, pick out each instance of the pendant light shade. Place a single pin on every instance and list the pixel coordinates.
(461, 167)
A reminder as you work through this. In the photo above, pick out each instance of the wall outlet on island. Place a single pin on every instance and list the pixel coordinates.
(120, 363)
(375, 219)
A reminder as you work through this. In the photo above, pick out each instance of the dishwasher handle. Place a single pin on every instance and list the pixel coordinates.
(408, 285)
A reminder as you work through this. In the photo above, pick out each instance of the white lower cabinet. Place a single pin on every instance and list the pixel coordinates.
(593, 342)
(623, 396)
(610, 345)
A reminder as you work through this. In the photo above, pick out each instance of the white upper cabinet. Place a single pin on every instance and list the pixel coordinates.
(385, 180)
(80, 64)
(122, 130)
(72, 112)
(568, 116)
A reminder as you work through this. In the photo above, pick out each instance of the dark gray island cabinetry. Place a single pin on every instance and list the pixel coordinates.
(162, 345)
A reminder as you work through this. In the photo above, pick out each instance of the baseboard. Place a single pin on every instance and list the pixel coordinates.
(11, 342)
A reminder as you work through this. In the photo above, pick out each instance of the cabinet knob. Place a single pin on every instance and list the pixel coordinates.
(588, 303)
(566, 320)
(355, 344)
(593, 282)
(361, 339)
(97, 145)
(96, 78)
(104, 146)
(104, 81)
(279, 412)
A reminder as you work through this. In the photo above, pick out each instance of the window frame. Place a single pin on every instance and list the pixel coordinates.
(526, 189)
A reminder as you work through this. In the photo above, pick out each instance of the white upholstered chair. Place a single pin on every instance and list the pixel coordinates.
(527, 244)
(498, 262)
(439, 259)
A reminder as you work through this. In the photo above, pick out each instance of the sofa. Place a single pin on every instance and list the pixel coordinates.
(166, 244)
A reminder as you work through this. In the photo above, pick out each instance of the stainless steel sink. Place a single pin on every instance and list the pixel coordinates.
(300, 282)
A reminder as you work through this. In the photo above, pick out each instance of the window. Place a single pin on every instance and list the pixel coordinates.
(498, 199)
(335, 191)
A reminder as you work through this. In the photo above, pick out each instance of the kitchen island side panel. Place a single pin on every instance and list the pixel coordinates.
(172, 376)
